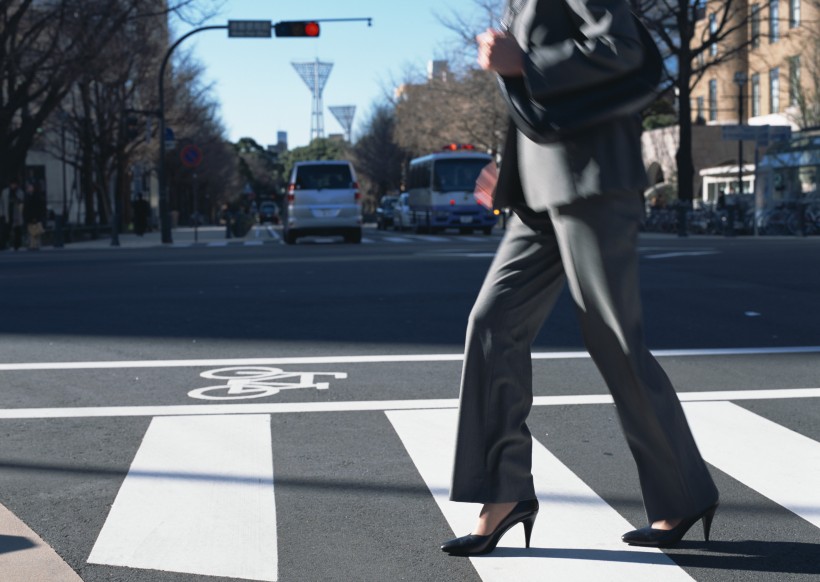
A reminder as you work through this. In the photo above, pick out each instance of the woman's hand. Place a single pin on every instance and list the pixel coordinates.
(500, 53)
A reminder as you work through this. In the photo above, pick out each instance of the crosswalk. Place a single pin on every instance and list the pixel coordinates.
(457, 241)
(388, 239)
(191, 473)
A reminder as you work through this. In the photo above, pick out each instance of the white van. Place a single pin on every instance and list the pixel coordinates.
(323, 199)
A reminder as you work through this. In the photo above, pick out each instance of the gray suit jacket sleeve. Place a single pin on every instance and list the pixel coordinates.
(573, 45)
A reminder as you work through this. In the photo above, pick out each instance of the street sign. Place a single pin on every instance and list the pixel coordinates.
(191, 156)
(741, 132)
(249, 29)
(170, 139)
(762, 134)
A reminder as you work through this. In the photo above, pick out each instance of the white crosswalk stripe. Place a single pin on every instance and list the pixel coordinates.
(773, 460)
(271, 236)
(567, 505)
(197, 499)
(430, 238)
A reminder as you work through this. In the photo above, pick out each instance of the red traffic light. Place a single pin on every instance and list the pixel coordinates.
(305, 28)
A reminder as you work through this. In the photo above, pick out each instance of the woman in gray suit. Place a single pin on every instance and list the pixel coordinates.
(577, 209)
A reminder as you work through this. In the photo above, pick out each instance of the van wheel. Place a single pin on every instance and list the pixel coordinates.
(290, 237)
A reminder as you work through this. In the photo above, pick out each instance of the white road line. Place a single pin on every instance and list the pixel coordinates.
(775, 461)
(428, 238)
(379, 359)
(254, 243)
(681, 254)
(368, 241)
(198, 499)
(397, 239)
(576, 536)
(366, 405)
(221, 243)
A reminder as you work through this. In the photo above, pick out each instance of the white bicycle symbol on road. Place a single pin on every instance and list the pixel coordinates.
(258, 382)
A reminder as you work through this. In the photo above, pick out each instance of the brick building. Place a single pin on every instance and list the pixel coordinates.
(777, 62)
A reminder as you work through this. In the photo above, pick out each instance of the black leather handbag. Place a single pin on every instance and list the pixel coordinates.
(550, 120)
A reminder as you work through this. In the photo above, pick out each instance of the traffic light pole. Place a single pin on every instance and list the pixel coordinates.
(164, 202)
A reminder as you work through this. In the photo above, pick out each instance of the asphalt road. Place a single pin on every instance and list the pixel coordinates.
(136, 381)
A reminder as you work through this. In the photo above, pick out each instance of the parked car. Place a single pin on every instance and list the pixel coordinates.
(385, 212)
(268, 212)
(323, 199)
(402, 215)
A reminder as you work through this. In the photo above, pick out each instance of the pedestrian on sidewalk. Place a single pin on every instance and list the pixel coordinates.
(16, 217)
(142, 210)
(7, 196)
(34, 214)
(577, 211)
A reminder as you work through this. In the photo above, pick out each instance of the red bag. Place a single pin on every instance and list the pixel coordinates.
(485, 185)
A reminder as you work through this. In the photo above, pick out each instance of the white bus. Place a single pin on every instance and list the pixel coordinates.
(440, 192)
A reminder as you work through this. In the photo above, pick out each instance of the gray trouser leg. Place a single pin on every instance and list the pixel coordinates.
(494, 447)
(596, 238)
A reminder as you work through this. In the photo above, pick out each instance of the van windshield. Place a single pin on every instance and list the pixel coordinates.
(324, 176)
(457, 174)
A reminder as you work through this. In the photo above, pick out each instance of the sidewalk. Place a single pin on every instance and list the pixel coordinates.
(184, 236)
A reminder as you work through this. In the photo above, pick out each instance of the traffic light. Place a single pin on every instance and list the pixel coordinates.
(309, 28)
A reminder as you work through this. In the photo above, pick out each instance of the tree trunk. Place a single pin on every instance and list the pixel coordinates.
(86, 147)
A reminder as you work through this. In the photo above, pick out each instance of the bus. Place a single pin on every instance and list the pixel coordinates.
(440, 191)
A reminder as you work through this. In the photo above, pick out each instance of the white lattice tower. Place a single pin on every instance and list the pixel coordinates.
(344, 115)
(315, 75)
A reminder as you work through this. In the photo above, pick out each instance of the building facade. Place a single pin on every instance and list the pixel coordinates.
(764, 66)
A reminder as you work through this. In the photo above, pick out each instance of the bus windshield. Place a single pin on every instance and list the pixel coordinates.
(457, 174)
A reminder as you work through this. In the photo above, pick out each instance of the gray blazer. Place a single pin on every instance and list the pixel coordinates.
(559, 61)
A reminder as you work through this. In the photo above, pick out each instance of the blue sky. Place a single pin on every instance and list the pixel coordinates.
(261, 93)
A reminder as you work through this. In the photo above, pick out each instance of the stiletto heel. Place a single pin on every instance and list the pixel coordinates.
(472, 545)
(528, 525)
(663, 538)
(707, 521)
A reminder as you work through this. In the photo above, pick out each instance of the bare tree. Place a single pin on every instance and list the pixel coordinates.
(193, 113)
(460, 103)
(45, 49)
(690, 47)
(465, 25)
(377, 157)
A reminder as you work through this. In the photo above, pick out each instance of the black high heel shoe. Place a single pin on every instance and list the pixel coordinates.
(473, 545)
(663, 538)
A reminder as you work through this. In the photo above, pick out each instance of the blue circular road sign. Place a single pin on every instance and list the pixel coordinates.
(191, 156)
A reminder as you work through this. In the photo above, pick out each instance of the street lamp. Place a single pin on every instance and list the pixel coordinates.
(740, 80)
